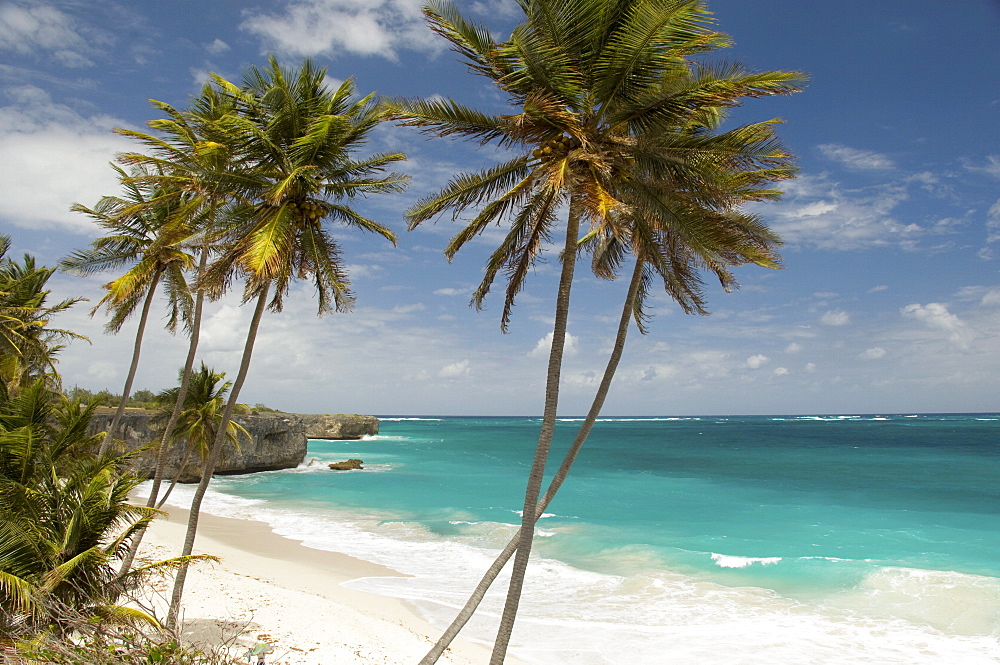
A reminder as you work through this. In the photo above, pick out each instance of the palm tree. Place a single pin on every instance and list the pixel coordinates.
(144, 232)
(613, 121)
(27, 343)
(202, 406)
(189, 158)
(295, 139)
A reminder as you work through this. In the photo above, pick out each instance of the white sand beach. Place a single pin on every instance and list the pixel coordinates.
(269, 588)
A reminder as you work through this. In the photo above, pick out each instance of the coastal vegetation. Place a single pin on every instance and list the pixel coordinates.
(616, 136)
(240, 186)
(65, 517)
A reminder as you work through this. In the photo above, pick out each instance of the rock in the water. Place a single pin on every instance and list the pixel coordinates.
(349, 465)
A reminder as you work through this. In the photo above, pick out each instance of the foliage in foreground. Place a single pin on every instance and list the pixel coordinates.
(116, 646)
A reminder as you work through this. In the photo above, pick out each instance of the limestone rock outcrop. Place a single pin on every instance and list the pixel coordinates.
(339, 426)
(277, 441)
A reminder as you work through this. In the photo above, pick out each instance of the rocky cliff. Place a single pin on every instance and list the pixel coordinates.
(339, 426)
(277, 440)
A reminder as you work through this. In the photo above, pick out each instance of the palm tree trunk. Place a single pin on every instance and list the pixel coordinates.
(479, 593)
(126, 391)
(213, 458)
(534, 487)
(168, 429)
(173, 481)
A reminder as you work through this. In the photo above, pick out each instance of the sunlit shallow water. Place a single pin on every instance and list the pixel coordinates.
(822, 539)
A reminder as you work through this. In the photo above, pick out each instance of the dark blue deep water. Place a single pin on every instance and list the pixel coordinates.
(819, 539)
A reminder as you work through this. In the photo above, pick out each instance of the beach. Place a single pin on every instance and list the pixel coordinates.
(269, 588)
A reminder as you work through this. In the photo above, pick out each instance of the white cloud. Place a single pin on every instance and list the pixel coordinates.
(873, 353)
(54, 157)
(819, 212)
(406, 309)
(757, 361)
(780, 371)
(327, 27)
(42, 30)
(936, 316)
(988, 296)
(876, 289)
(794, 347)
(544, 345)
(810, 367)
(451, 292)
(453, 370)
(217, 47)
(992, 166)
(859, 160)
(836, 317)
(993, 222)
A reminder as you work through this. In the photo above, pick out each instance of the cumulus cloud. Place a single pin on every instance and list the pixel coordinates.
(329, 27)
(53, 157)
(780, 371)
(454, 370)
(794, 347)
(44, 30)
(835, 317)
(217, 47)
(757, 361)
(936, 316)
(859, 160)
(873, 353)
(544, 345)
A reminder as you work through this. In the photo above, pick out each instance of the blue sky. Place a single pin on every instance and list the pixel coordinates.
(889, 299)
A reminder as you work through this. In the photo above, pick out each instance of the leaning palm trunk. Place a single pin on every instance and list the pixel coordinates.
(534, 487)
(176, 479)
(168, 429)
(479, 593)
(213, 458)
(137, 348)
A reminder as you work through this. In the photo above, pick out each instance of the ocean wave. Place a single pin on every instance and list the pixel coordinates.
(730, 561)
(583, 617)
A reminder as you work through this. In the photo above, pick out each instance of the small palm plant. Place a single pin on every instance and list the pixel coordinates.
(200, 417)
(65, 521)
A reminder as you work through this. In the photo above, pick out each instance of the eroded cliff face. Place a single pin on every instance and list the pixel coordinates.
(339, 426)
(277, 441)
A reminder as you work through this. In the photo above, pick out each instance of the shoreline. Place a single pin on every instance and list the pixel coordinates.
(272, 586)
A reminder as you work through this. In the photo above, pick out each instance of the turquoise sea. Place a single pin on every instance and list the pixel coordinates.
(710, 540)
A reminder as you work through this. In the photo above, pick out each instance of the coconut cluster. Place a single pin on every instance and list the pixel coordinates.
(557, 147)
(309, 210)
